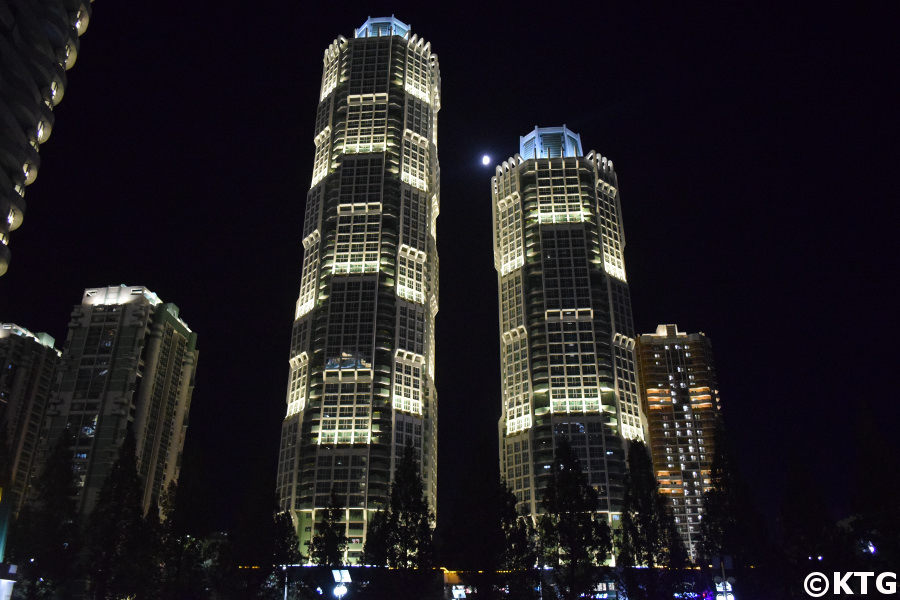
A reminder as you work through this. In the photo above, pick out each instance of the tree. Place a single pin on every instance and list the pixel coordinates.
(44, 540)
(518, 554)
(648, 536)
(519, 550)
(575, 538)
(330, 540)
(648, 528)
(179, 552)
(122, 545)
(376, 549)
(730, 525)
(401, 536)
(875, 507)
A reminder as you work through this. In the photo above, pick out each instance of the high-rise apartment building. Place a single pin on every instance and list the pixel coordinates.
(566, 332)
(681, 402)
(128, 361)
(28, 365)
(38, 44)
(361, 382)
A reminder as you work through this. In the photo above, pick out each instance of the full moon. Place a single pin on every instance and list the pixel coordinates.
(485, 160)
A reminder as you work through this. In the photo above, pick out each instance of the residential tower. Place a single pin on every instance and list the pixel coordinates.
(566, 331)
(681, 396)
(361, 379)
(129, 361)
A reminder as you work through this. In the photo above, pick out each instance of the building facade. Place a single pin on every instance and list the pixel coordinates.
(566, 331)
(681, 401)
(38, 44)
(128, 361)
(28, 365)
(361, 384)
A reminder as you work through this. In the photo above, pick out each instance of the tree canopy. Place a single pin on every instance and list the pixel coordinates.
(330, 540)
(648, 536)
(45, 537)
(121, 543)
(574, 536)
(400, 536)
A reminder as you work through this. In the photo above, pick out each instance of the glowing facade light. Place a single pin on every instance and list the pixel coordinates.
(36, 38)
(566, 332)
(362, 351)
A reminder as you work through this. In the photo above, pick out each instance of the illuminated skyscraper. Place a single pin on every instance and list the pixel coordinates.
(129, 360)
(566, 332)
(678, 382)
(38, 44)
(362, 351)
(28, 364)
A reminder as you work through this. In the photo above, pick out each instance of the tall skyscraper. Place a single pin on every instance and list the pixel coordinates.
(678, 383)
(566, 332)
(129, 360)
(38, 44)
(361, 382)
(28, 365)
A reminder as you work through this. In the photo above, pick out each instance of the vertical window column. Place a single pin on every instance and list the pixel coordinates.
(414, 164)
(358, 239)
(298, 384)
(411, 275)
(408, 383)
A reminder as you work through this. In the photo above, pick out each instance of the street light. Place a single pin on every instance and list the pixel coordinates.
(723, 588)
(341, 576)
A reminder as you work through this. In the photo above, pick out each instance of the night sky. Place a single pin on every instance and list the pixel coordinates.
(756, 150)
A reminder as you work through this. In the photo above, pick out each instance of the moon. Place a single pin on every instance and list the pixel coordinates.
(485, 160)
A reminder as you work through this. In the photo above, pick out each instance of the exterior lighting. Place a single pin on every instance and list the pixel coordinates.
(368, 282)
(557, 227)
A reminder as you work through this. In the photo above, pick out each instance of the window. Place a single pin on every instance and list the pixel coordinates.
(415, 162)
(350, 324)
(366, 125)
(411, 277)
(408, 386)
(358, 242)
(414, 227)
(411, 327)
(369, 66)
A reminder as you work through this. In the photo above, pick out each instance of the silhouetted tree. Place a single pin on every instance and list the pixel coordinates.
(330, 540)
(805, 519)
(518, 554)
(574, 537)
(519, 551)
(180, 553)
(44, 540)
(731, 524)
(875, 506)
(377, 547)
(402, 537)
(648, 536)
(121, 543)
(287, 544)
(648, 528)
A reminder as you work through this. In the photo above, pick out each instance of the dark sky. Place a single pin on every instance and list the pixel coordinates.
(756, 150)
